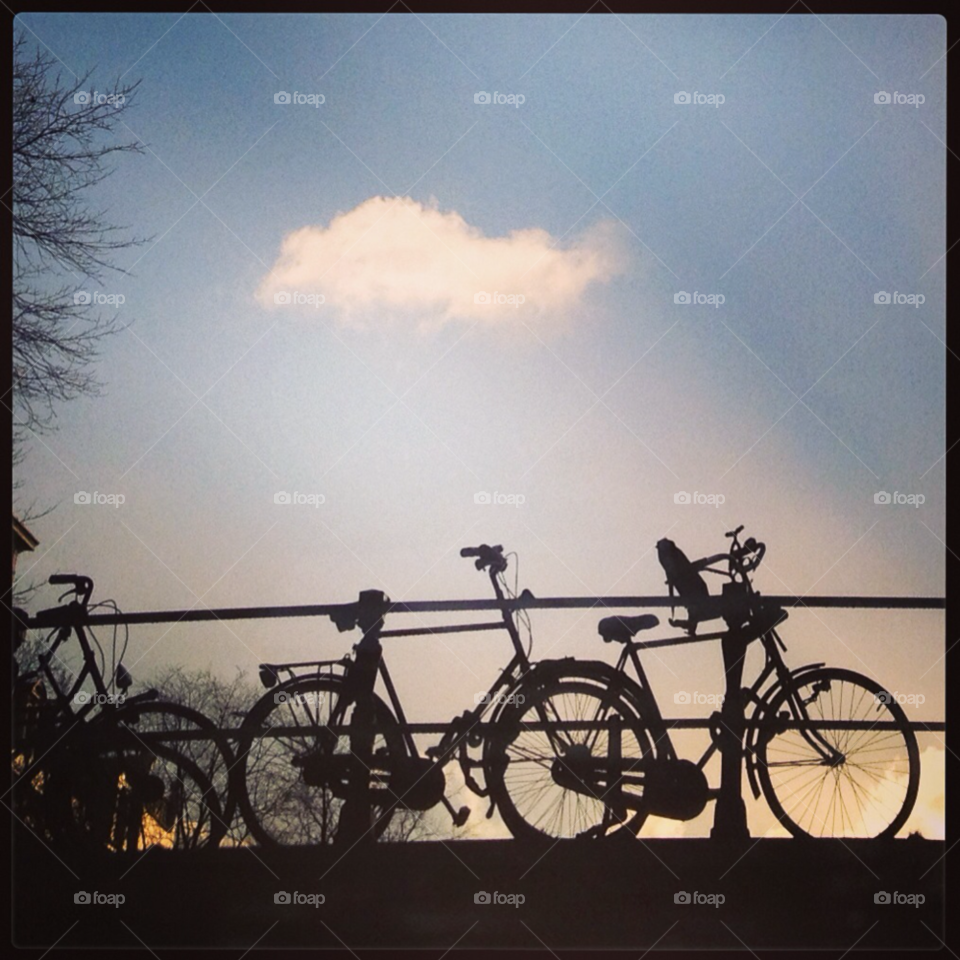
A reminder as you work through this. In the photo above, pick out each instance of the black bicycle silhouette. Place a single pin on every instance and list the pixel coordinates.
(97, 771)
(831, 751)
(572, 748)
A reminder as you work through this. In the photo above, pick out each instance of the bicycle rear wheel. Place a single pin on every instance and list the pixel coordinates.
(293, 769)
(867, 783)
(538, 793)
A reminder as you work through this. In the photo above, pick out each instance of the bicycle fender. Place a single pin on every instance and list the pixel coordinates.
(598, 671)
(761, 708)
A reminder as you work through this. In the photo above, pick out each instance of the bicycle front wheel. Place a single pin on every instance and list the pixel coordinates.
(536, 776)
(105, 788)
(196, 738)
(842, 783)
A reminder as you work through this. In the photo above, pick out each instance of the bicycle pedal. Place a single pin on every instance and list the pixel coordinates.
(461, 816)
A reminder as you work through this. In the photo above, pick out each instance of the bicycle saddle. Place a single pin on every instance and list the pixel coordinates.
(622, 629)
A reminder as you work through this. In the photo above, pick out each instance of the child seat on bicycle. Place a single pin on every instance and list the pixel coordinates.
(686, 583)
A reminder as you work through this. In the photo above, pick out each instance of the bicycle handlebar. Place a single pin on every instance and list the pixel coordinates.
(82, 586)
(487, 556)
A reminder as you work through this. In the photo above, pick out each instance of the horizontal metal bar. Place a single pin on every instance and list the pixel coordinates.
(455, 628)
(451, 606)
(481, 729)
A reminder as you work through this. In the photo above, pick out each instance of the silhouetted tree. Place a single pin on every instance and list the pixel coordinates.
(64, 138)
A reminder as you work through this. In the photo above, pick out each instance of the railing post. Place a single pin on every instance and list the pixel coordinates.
(730, 816)
(356, 816)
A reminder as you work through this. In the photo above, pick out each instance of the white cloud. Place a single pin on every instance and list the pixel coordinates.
(394, 258)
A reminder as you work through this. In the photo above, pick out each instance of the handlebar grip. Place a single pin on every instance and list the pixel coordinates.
(58, 579)
(470, 552)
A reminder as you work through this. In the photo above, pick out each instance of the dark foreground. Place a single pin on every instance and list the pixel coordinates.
(777, 893)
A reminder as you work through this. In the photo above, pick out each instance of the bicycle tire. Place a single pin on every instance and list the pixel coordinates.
(892, 759)
(535, 812)
(278, 805)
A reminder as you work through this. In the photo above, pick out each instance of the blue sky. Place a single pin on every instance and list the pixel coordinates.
(598, 399)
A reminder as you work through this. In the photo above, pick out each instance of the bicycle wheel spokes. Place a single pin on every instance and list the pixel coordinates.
(841, 782)
(297, 770)
(545, 781)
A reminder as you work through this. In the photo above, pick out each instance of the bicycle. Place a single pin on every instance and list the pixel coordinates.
(98, 771)
(830, 750)
(323, 758)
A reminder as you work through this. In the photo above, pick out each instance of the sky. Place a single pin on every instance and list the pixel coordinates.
(401, 265)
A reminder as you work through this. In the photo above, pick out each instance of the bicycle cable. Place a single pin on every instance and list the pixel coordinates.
(115, 660)
(522, 615)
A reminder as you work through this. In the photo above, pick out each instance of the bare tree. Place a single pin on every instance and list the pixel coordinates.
(65, 136)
